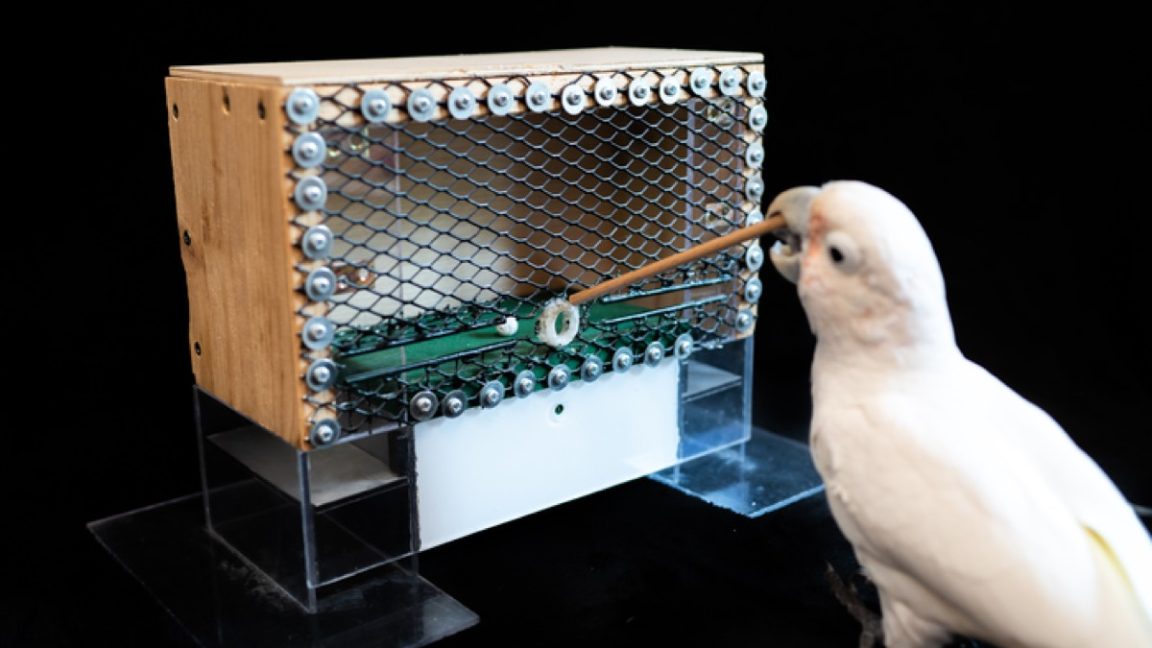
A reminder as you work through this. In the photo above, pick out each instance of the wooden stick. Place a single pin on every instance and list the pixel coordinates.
(680, 258)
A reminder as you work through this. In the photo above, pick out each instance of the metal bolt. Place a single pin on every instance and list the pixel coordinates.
(525, 383)
(309, 149)
(683, 347)
(729, 80)
(302, 104)
(573, 99)
(538, 98)
(423, 404)
(317, 331)
(594, 369)
(454, 406)
(324, 434)
(463, 102)
(321, 284)
(501, 100)
(743, 321)
(317, 241)
(607, 92)
(313, 193)
(491, 398)
(669, 90)
(423, 104)
(758, 118)
(642, 91)
(699, 83)
(756, 155)
(757, 84)
(377, 106)
(321, 374)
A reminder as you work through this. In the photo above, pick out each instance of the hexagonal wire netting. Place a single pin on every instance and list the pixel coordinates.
(443, 230)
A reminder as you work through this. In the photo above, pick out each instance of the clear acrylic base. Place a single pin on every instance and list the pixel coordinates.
(220, 600)
(758, 476)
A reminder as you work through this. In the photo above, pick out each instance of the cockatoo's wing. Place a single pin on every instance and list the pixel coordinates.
(955, 493)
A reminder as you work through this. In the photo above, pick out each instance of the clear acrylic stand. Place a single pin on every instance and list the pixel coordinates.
(292, 548)
(723, 459)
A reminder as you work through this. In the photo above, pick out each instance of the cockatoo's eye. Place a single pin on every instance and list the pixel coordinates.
(843, 251)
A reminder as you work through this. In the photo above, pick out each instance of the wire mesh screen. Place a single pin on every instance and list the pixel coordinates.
(449, 236)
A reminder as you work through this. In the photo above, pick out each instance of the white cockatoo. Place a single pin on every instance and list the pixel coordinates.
(968, 507)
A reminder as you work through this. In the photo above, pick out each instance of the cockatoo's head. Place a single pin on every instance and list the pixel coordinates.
(866, 271)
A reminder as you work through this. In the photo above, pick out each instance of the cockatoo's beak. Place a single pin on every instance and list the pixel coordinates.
(793, 205)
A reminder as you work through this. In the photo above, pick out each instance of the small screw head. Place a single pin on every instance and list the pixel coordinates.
(423, 104)
(753, 290)
(302, 104)
(317, 331)
(377, 106)
(525, 385)
(324, 432)
(317, 241)
(743, 321)
(313, 193)
(669, 90)
(684, 347)
(423, 404)
(453, 405)
(501, 100)
(321, 284)
(729, 81)
(607, 92)
(464, 102)
(594, 369)
(573, 99)
(538, 98)
(321, 374)
(642, 91)
(699, 83)
(308, 149)
(654, 353)
(491, 398)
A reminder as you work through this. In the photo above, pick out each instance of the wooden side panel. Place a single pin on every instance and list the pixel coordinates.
(233, 201)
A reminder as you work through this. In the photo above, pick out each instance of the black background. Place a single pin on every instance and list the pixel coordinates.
(1015, 135)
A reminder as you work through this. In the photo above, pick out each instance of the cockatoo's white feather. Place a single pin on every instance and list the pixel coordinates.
(969, 507)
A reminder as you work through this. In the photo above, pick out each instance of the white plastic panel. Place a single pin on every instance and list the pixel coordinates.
(491, 466)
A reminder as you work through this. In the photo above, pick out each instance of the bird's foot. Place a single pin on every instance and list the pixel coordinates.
(872, 629)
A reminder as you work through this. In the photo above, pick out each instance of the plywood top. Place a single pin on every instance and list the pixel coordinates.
(464, 65)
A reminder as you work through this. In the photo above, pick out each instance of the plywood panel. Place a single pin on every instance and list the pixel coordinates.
(232, 200)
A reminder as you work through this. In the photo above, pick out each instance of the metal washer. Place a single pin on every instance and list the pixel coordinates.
(317, 333)
(324, 432)
(754, 257)
(592, 369)
(622, 360)
(754, 156)
(639, 91)
(559, 377)
(757, 84)
(423, 414)
(605, 91)
(421, 105)
(538, 97)
(744, 320)
(302, 106)
(669, 90)
(754, 188)
(683, 346)
(462, 103)
(321, 374)
(525, 384)
(316, 242)
(320, 284)
(653, 354)
(572, 99)
(311, 193)
(309, 150)
(375, 106)
(730, 82)
(500, 99)
(758, 118)
(754, 217)
(455, 402)
(752, 290)
(700, 80)
(491, 394)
